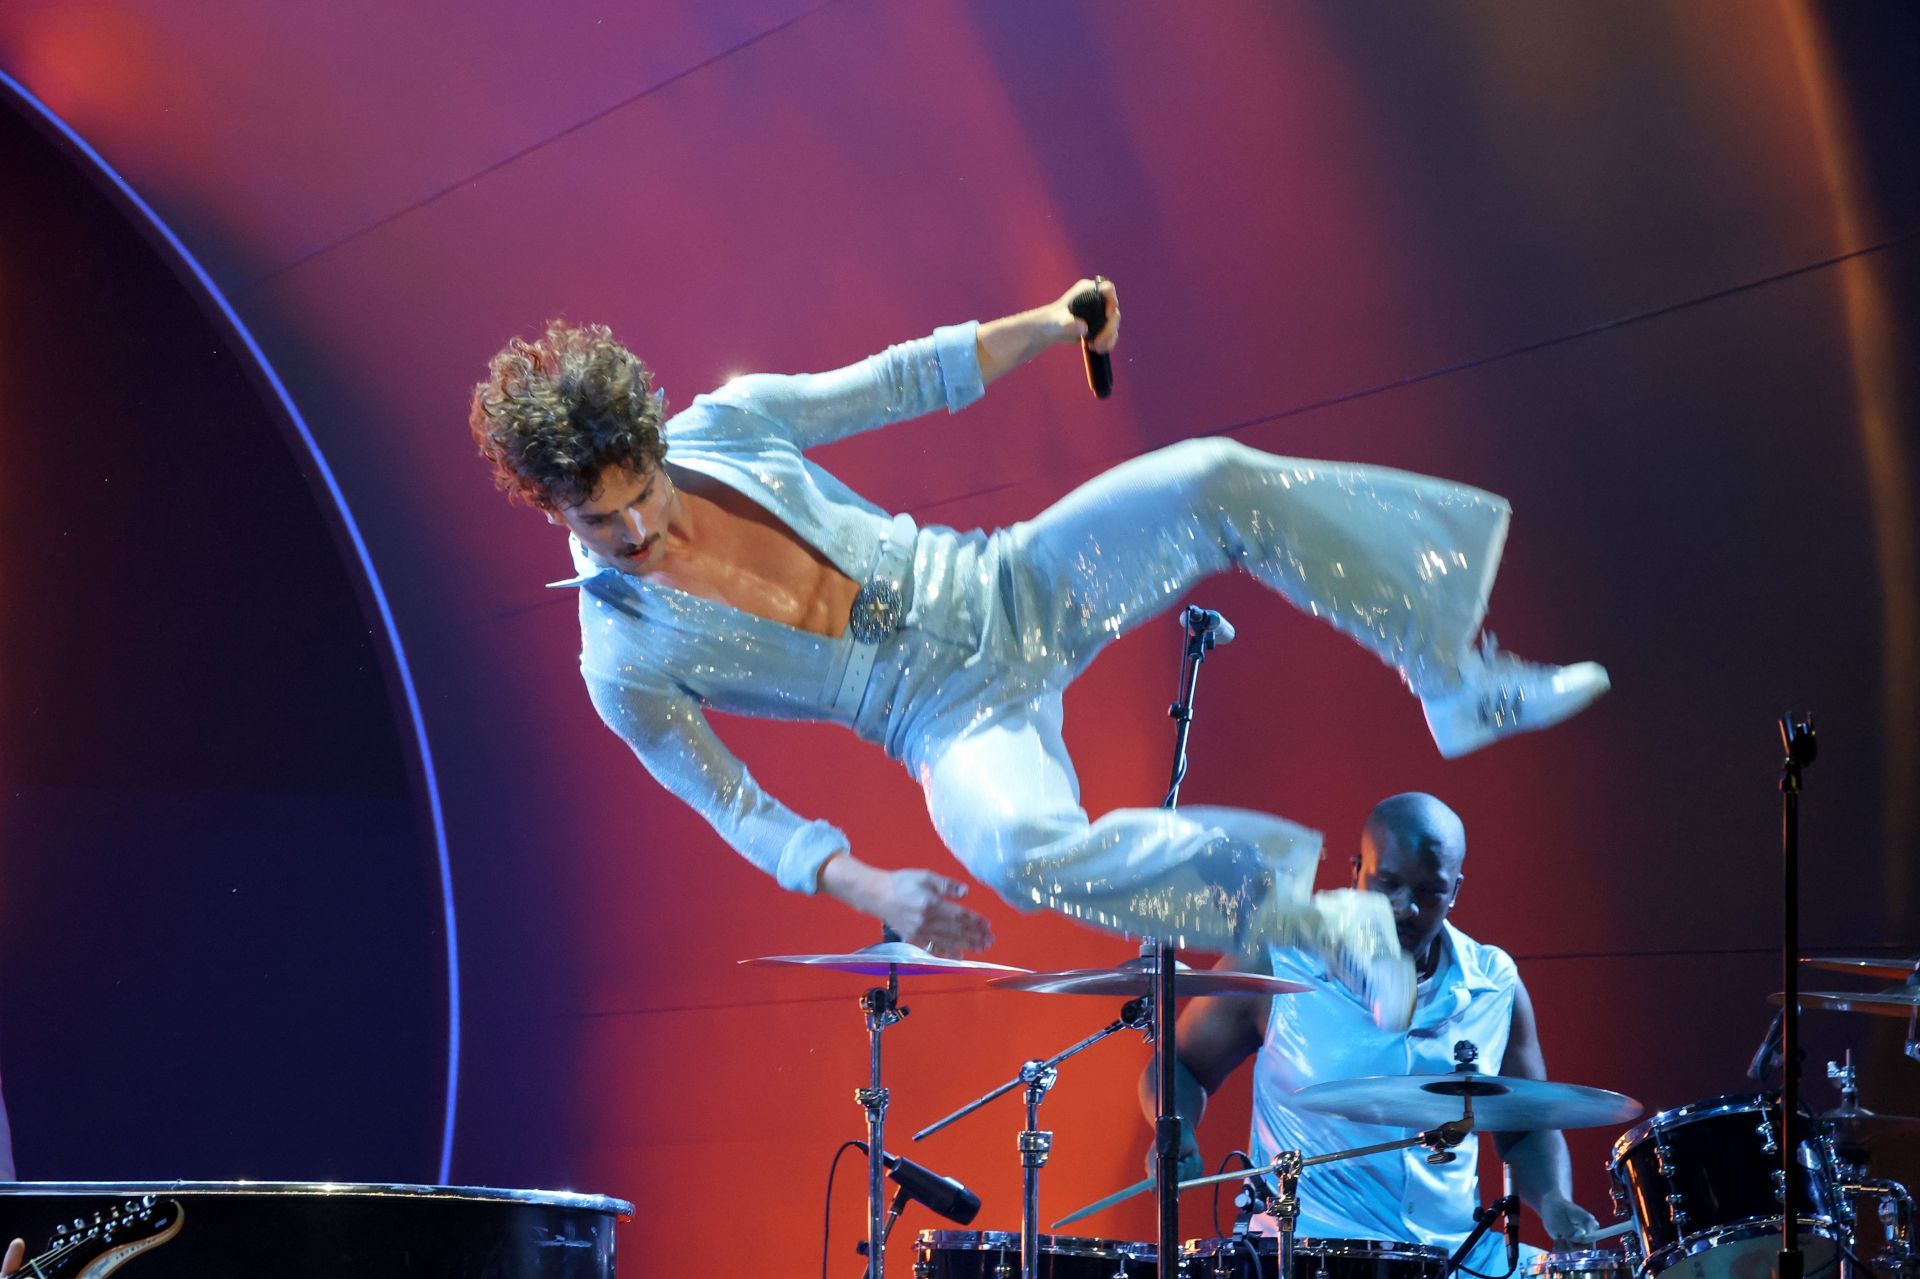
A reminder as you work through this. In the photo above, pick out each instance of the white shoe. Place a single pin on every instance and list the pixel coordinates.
(1353, 933)
(1500, 695)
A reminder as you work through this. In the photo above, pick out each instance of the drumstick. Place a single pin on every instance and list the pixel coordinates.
(1610, 1232)
(1101, 1205)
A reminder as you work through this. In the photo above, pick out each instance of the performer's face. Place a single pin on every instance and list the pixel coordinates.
(1420, 875)
(625, 521)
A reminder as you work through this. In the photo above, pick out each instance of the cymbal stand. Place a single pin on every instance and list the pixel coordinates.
(1038, 1078)
(1797, 737)
(881, 1008)
(1289, 1164)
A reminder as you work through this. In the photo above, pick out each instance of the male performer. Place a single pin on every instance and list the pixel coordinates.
(1410, 853)
(721, 569)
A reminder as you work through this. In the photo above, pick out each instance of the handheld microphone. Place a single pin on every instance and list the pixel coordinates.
(1204, 621)
(942, 1195)
(1089, 306)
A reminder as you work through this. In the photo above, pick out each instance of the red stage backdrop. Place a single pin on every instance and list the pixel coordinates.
(1645, 271)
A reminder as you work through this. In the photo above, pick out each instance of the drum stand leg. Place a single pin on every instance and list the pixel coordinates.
(881, 1007)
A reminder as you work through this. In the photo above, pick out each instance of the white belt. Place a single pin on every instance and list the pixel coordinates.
(878, 610)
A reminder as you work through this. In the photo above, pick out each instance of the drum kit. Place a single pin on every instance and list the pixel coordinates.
(1706, 1191)
(1698, 1187)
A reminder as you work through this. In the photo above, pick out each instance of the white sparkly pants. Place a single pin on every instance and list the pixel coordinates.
(1400, 562)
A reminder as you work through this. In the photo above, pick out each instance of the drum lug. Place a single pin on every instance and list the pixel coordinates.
(1769, 1144)
(1663, 1160)
(1677, 1205)
(1779, 1177)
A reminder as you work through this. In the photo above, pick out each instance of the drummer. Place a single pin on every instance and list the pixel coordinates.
(1411, 852)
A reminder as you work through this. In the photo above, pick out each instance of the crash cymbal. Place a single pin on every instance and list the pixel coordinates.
(1885, 969)
(1501, 1103)
(1136, 977)
(876, 960)
(1891, 1003)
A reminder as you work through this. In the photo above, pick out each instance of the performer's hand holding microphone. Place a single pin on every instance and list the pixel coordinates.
(1096, 305)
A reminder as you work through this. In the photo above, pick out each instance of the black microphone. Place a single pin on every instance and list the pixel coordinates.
(942, 1195)
(1089, 306)
(1203, 621)
(1769, 1049)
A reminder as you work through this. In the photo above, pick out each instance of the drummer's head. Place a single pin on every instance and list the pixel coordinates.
(1411, 852)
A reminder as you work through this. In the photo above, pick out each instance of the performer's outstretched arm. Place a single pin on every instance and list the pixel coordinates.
(948, 370)
(668, 731)
(1007, 343)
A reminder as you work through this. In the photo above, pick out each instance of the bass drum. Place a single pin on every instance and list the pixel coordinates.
(995, 1254)
(1258, 1257)
(1707, 1194)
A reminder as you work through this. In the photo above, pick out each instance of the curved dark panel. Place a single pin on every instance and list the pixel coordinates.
(224, 925)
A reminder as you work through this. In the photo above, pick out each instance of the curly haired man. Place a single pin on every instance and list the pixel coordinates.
(721, 569)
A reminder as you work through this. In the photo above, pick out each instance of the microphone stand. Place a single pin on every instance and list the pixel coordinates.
(1796, 735)
(1166, 1124)
(1038, 1077)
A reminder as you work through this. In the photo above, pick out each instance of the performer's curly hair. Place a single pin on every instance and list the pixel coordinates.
(555, 414)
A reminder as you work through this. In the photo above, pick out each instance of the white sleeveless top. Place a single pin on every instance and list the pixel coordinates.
(1328, 1034)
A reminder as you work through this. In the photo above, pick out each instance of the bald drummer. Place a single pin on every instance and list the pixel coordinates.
(1411, 852)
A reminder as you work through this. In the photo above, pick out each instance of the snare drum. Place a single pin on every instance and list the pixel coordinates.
(995, 1254)
(1706, 1190)
(1258, 1256)
(1596, 1263)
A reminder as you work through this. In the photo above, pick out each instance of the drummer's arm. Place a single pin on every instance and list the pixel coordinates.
(1542, 1169)
(1214, 1036)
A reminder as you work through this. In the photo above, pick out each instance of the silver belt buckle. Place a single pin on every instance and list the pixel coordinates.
(877, 612)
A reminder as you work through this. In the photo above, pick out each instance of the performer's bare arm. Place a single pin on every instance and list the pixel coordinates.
(1007, 343)
(921, 905)
(1214, 1036)
(1542, 1169)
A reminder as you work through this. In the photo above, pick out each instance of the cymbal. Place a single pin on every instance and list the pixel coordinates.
(1501, 1103)
(1886, 969)
(1136, 977)
(1891, 1003)
(1860, 1126)
(904, 958)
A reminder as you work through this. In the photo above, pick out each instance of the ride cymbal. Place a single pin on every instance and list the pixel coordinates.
(1136, 977)
(1885, 969)
(1891, 1003)
(904, 958)
(1501, 1103)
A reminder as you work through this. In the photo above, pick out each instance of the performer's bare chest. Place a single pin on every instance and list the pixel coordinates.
(736, 552)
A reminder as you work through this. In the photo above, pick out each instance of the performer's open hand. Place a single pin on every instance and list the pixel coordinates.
(1077, 330)
(924, 908)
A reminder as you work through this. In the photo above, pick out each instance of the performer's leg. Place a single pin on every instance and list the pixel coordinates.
(1004, 798)
(1403, 563)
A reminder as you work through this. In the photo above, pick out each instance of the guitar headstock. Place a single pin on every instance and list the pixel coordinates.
(120, 1232)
